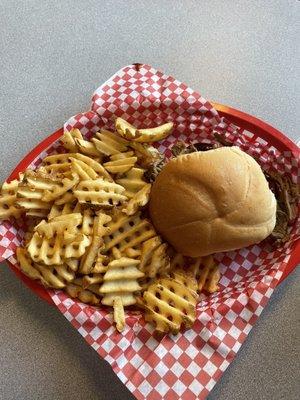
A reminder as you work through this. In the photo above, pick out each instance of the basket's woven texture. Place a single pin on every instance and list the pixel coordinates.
(186, 366)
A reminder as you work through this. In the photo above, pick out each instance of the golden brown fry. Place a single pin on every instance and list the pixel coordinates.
(27, 265)
(129, 132)
(139, 200)
(83, 170)
(159, 262)
(54, 159)
(84, 295)
(91, 279)
(68, 139)
(121, 162)
(100, 192)
(147, 249)
(53, 251)
(86, 147)
(101, 263)
(170, 303)
(121, 280)
(133, 181)
(68, 197)
(108, 143)
(207, 263)
(54, 277)
(128, 232)
(99, 230)
(59, 190)
(8, 199)
(62, 209)
(61, 225)
(119, 314)
(96, 166)
(211, 284)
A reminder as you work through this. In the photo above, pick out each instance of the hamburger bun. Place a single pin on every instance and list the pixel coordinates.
(212, 201)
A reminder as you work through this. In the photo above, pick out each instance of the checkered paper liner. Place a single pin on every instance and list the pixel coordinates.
(188, 365)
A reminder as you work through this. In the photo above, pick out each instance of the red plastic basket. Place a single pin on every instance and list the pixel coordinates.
(245, 121)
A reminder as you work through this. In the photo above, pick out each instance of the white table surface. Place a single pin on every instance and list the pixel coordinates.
(53, 54)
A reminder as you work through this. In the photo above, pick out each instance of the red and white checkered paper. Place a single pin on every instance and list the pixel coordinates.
(188, 365)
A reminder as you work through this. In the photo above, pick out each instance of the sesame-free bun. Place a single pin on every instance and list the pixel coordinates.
(212, 201)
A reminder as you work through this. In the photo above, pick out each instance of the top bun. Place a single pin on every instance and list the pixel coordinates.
(212, 201)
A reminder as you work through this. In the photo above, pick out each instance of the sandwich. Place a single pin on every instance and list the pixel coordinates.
(212, 201)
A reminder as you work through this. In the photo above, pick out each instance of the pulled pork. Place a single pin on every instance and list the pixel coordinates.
(287, 194)
(154, 169)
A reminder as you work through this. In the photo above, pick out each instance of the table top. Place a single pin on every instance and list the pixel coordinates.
(53, 55)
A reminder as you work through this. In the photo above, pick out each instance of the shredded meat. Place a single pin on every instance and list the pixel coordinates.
(287, 194)
(154, 169)
(221, 140)
(181, 148)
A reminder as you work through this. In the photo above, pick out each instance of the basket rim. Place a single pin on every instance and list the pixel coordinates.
(233, 115)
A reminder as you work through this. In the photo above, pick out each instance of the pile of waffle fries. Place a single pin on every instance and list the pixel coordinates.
(88, 232)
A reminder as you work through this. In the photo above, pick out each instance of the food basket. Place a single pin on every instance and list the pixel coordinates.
(186, 366)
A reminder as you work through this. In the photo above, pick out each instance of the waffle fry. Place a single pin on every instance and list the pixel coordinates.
(54, 277)
(63, 209)
(119, 314)
(44, 187)
(211, 284)
(59, 190)
(68, 140)
(27, 265)
(94, 287)
(96, 166)
(37, 213)
(128, 232)
(8, 195)
(108, 143)
(87, 221)
(32, 206)
(83, 170)
(53, 251)
(56, 169)
(11, 187)
(101, 264)
(119, 284)
(86, 147)
(170, 303)
(8, 207)
(139, 200)
(121, 162)
(84, 295)
(72, 263)
(120, 280)
(207, 274)
(54, 159)
(63, 225)
(99, 230)
(67, 197)
(132, 253)
(100, 192)
(154, 257)
(129, 132)
(132, 181)
(91, 279)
